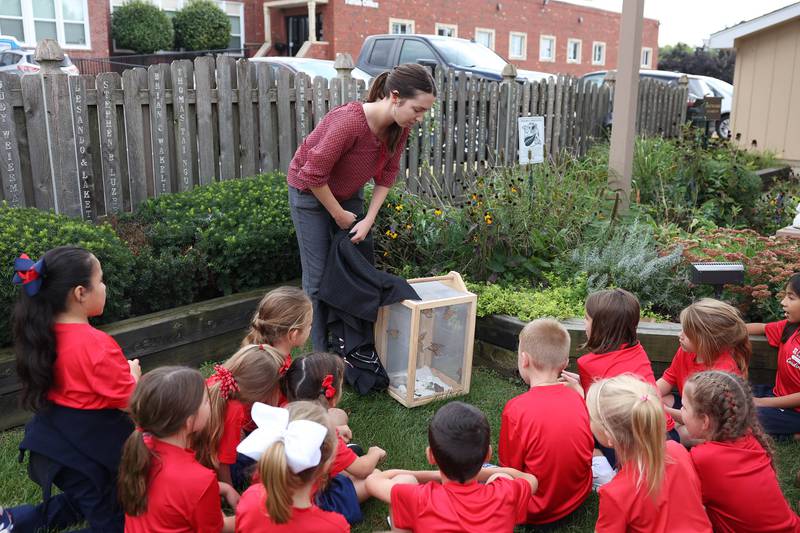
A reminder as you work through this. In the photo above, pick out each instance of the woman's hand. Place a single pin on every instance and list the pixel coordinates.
(344, 219)
(360, 231)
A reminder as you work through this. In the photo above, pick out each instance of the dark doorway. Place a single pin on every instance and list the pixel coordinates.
(297, 32)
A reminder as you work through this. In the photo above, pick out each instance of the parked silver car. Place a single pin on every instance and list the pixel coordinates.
(312, 67)
(21, 61)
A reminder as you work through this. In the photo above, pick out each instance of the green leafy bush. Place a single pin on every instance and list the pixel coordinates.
(34, 232)
(558, 300)
(627, 256)
(140, 26)
(240, 228)
(202, 25)
(511, 224)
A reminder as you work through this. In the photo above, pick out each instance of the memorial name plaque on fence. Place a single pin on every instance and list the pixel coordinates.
(531, 140)
(9, 153)
(713, 108)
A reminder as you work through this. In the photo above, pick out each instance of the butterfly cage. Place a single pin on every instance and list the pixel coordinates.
(426, 345)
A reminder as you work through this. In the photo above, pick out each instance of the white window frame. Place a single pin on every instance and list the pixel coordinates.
(553, 48)
(602, 46)
(443, 26)
(649, 52)
(223, 5)
(408, 22)
(490, 32)
(29, 28)
(511, 36)
(576, 60)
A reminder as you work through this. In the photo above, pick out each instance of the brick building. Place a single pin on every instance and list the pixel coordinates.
(544, 35)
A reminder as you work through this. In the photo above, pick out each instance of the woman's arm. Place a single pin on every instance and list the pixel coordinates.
(344, 219)
(790, 401)
(362, 229)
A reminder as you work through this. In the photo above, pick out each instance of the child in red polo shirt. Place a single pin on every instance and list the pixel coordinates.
(251, 375)
(612, 317)
(461, 496)
(162, 487)
(545, 431)
(656, 489)
(319, 377)
(77, 381)
(713, 337)
(295, 448)
(734, 461)
(779, 407)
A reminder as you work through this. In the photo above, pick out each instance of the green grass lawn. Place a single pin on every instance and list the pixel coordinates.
(381, 421)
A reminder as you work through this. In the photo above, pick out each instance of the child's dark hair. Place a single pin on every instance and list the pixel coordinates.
(728, 402)
(65, 268)
(303, 380)
(407, 80)
(792, 285)
(615, 316)
(163, 401)
(280, 311)
(459, 439)
(278, 479)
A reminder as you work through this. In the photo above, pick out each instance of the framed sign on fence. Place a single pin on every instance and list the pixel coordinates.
(531, 140)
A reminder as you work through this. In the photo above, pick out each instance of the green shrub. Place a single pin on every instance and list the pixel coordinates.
(166, 278)
(31, 231)
(202, 25)
(140, 26)
(511, 225)
(241, 229)
(627, 256)
(558, 300)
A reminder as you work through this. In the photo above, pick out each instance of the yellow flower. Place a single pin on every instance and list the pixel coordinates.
(488, 218)
(437, 212)
(394, 235)
(386, 254)
(389, 232)
(398, 208)
(513, 189)
(408, 226)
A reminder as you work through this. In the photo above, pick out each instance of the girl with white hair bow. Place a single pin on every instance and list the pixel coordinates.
(294, 448)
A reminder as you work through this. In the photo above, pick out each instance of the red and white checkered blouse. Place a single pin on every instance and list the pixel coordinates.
(343, 153)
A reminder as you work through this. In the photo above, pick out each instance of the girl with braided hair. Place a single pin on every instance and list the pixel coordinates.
(735, 463)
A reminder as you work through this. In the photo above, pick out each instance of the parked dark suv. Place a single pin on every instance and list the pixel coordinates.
(382, 52)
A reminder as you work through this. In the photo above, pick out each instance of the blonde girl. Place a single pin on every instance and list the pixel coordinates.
(319, 377)
(718, 409)
(282, 320)
(251, 375)
(162, 487)
(656, 489)
(295, 448)
(713, 337)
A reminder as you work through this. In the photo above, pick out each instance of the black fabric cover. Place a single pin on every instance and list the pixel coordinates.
(353, 290)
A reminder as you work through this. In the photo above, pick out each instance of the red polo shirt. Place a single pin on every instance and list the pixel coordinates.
(740, 488)
(685, 365)
(90, 371)
(182, 494)
(461, 507)
(343, 153)
(629, 359)
(676, 507)
(787, 378)
(344, 457)
(251, 515)
(545, 432)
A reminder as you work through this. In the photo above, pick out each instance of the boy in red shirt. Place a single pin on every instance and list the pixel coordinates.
(545, 431)
(455, 498)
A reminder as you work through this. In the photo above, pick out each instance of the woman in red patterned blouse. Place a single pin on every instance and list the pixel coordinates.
(353, 144)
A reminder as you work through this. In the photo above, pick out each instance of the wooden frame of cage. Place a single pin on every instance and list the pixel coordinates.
(414, 356)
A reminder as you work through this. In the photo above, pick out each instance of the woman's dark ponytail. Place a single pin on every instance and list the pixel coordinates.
(65, 268)
(407, 80)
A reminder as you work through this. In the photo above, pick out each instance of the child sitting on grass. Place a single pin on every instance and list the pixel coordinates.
(460, 496)
(545, 431)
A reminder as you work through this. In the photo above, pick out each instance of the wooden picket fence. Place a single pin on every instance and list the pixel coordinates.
(92, 146)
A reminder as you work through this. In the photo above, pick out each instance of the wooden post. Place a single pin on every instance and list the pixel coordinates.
(623, 132)
(312, 21)
(344, 66)
(508, 115)
(683, 96)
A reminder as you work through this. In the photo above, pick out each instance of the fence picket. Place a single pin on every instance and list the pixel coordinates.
(182, 76)
(83, 145)
(208, 169)
(10, 170)
(134, 81)
(285, 125)
(159, 129)
(267, 123)
(247, 135)
(225, 78)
